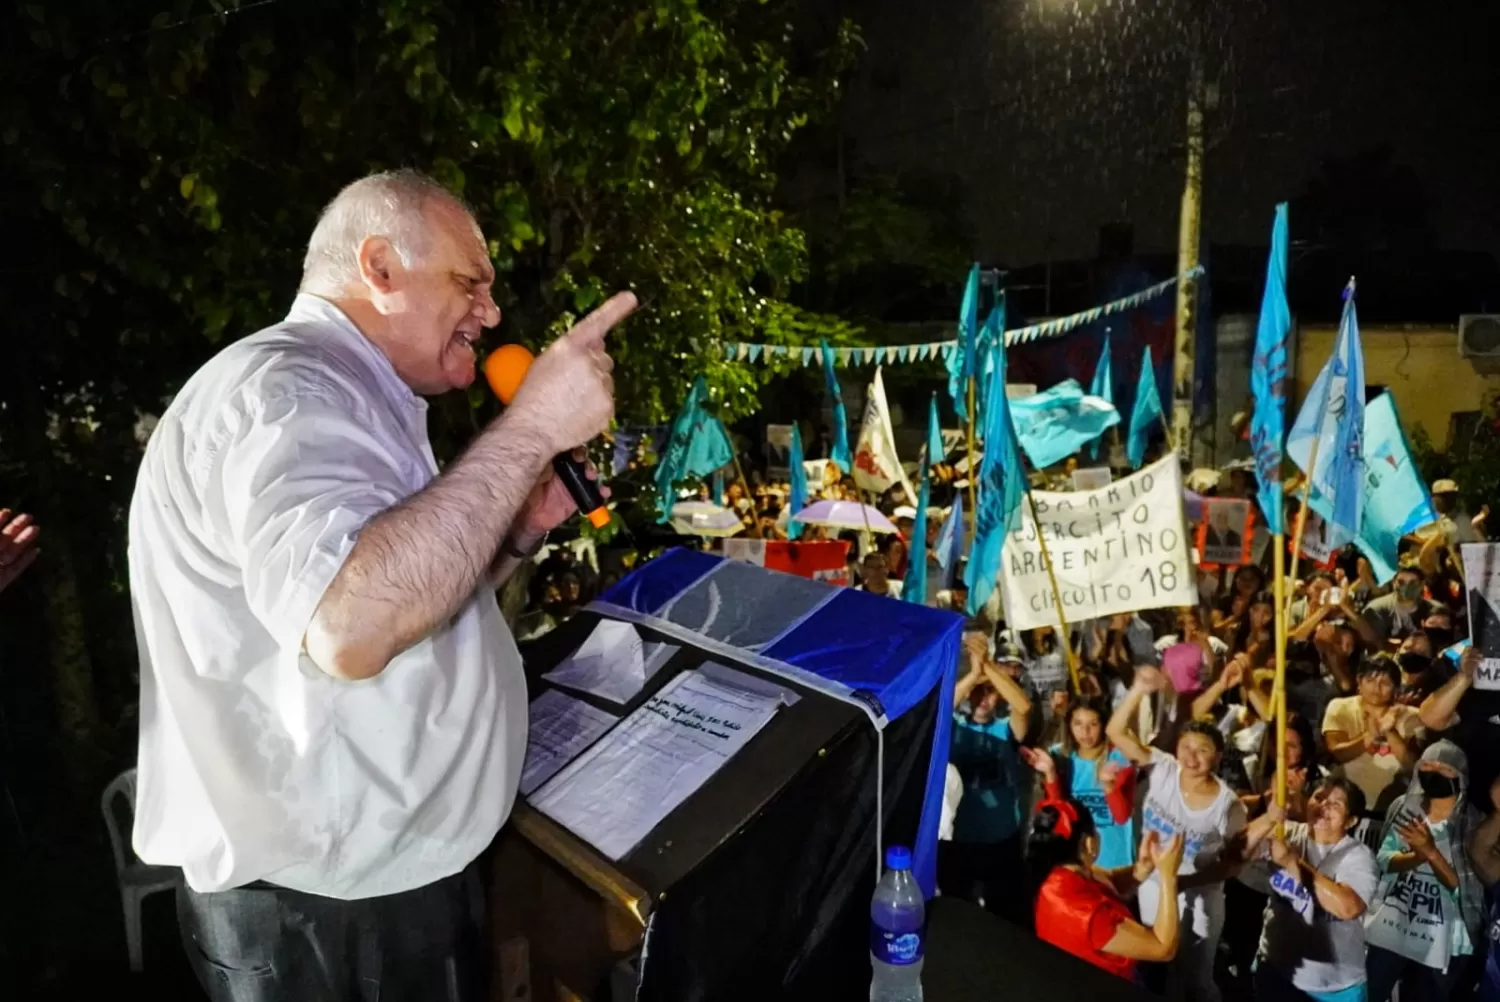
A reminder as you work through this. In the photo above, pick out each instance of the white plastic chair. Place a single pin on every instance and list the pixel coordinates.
(137, 879)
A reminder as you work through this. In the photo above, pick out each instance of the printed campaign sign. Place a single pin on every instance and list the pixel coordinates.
(778, 450)
(1115, 549)
(1482, 577)
(1225, 532)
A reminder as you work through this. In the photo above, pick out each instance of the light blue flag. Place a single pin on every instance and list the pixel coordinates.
(840, 455)
(1103, 385)
(1146, 415)
(950, 541)
(960, 363)
(798, 500)
(991, 339)
(696, 446)
(1396, 500)
(1054, 424)
(1268, 379)
(1002, 485)
(934, 433)
(1333, 416)
(807, 356)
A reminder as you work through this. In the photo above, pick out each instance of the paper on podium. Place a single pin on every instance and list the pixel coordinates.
(629, 780)
(561, 727)
(613, 663)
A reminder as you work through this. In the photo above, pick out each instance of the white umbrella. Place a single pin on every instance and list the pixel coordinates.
(700, 518)
(850, 515)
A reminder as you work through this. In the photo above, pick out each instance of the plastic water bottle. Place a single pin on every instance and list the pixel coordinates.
(897, 913)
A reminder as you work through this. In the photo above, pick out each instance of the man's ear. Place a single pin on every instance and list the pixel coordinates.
(379, 265)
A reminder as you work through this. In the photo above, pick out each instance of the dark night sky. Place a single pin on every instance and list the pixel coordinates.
(1062, 115)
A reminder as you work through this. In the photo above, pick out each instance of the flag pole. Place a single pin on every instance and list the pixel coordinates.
(1284, 619)
(740, 472)
(1278, 690)
(973, 468)
(1062, 617)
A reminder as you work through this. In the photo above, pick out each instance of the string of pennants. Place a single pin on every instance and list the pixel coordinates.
(744, 351)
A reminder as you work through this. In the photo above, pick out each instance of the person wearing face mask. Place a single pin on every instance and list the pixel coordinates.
(1370, 735)
(1428, 915)
(1184, 796)
(1399, 614)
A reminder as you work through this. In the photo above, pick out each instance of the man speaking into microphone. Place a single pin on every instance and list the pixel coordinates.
(333, 712)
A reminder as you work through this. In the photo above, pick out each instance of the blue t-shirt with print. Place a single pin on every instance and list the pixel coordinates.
(986, 759)
(1116, 841)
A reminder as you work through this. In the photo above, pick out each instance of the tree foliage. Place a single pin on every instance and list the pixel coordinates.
(168, 166)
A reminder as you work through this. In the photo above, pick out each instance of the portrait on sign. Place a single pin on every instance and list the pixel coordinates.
(1225, 532)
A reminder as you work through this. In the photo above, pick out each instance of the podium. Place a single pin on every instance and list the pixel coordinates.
(757, 885)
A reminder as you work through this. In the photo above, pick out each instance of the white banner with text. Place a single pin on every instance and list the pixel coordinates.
(1115, 549)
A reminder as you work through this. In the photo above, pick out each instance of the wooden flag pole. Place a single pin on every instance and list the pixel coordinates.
(1278, 689)
(1062, 619)
(1283, 598)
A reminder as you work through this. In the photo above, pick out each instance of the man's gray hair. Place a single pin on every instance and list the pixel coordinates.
(390, 204)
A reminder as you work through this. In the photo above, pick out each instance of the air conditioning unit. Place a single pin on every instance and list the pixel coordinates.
(1479, 335)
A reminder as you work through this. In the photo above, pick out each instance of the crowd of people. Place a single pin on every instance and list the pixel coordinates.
(1079, 810)
(1153, 780)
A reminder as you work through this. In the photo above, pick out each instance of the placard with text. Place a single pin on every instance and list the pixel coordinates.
(1116, 549)
(1482, 578)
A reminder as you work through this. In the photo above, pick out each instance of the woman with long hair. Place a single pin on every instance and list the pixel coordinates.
(1089, 772)
(1427, 918)
(1080, 906)
(1185, 796)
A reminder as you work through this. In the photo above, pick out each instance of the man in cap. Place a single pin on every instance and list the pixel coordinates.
(1456, 525)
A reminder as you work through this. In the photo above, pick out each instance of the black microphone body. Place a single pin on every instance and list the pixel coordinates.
(581, 488)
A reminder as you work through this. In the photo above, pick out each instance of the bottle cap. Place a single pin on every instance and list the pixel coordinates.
(897, 857)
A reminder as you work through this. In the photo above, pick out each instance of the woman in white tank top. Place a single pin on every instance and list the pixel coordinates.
(1184, 795)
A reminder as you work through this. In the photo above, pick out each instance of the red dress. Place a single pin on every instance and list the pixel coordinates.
(1080, 915)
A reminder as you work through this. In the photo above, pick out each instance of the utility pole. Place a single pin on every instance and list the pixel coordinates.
(1187, 257)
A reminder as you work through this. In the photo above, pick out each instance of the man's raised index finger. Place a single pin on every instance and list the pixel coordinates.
(597, 324)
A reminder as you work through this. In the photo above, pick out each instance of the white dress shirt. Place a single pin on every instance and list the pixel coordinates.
(254, 764)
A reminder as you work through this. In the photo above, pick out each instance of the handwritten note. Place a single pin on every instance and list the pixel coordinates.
(561, 728)
(633, 777)
(613, 663)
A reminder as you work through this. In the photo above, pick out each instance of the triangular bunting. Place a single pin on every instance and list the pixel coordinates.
(879, 356)
(807, 356)
(856, 356)
(755, 350)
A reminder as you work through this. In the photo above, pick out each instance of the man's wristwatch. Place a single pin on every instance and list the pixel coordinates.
(510, 549)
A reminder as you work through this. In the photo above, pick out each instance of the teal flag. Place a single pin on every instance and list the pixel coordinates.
(1103, 385)
(1268, 380)
(991, 340)
(840, 454)
(1002, 485)
(798, 500)
(1147, 413)
(934, 434)
(1054, 424)
(960, 363)
(696, 446)
(1396, 500)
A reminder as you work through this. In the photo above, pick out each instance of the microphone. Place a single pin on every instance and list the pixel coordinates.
(504, 369)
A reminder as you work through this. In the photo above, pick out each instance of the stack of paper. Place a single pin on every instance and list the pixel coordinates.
(653, 760)
(613, 663)
(561, 727)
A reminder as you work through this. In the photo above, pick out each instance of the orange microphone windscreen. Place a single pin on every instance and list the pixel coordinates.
(504, 368)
